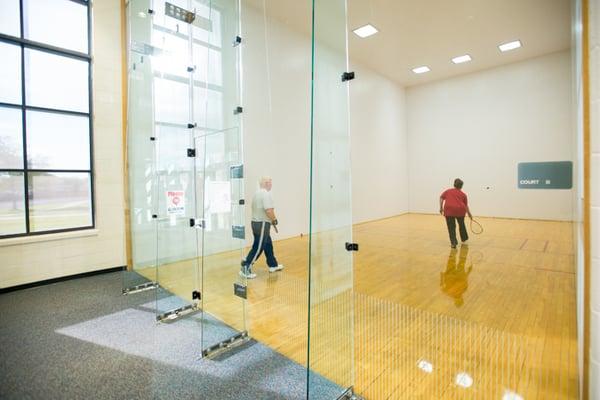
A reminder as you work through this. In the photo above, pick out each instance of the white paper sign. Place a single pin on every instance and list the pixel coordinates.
(219, 197)
(175, 202)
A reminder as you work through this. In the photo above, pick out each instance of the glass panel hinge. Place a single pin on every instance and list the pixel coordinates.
(347, 76)
(351, 246)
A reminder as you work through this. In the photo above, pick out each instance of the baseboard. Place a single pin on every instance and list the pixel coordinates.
(61, 279)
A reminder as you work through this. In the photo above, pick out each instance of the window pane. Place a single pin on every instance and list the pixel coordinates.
(56, 82)
(10, 73)
(59, 201)
(57, 141)
(9, 18)
(70, 31)
(12, 203)
(11, 138)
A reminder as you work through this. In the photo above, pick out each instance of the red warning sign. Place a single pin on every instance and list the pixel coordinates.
(175, 202)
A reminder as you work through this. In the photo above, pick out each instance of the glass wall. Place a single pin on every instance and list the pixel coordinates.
(219, 99)
(331, 319)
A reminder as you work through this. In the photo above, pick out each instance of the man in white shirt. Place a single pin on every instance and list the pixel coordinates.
(263, 216)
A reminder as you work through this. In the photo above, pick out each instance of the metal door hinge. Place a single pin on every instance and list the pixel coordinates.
(242, 202)
(236, 41)
(192, 126)
(238, 110)
(196, 295)
(191, 152)
(351, 246)
(347, 76)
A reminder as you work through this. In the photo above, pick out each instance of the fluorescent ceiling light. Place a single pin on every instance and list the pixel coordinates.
(421, 70)
(510, 46)
(365, 31)
(461, 59)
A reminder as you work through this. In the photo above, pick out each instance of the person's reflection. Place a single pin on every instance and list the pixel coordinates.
(454, 281)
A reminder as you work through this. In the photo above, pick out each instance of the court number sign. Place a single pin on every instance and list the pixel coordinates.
(546, 175)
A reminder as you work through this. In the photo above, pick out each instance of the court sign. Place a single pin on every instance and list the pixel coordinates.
(545, 175)
(175, 202)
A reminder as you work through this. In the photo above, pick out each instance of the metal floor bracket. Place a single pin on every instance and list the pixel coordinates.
(180, 312)
(349, 395)
(140, 288)
(226, 345)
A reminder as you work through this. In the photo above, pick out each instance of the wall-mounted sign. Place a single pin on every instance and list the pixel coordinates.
(546, 175)
(175, 202)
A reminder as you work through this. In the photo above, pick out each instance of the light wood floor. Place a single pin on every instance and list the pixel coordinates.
(501, 312)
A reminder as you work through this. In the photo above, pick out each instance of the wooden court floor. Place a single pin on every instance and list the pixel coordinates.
(494, 319)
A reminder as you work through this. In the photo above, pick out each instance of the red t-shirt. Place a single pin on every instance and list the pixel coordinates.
(455, 203)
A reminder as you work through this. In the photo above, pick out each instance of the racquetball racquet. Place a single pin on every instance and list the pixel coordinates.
(476, 227)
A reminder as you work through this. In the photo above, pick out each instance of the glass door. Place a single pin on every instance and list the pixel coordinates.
(220, 174)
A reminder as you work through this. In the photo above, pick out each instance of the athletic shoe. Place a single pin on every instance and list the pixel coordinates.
(465, 243)
(453, 245)
(279, 267)
(246, 272)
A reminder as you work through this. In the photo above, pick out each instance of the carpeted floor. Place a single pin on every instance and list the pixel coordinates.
(81, 339)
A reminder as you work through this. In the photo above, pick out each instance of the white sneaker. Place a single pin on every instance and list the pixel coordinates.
(279, 267)
(247, 273)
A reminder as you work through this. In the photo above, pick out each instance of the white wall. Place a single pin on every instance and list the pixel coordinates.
(25, 260)
(480, 126)
(594, 18)
(276, 122)
(379, 147)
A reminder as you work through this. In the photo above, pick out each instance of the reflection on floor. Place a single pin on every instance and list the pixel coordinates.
(496, 319)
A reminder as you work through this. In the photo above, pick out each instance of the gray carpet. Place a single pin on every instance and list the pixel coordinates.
(81, 339)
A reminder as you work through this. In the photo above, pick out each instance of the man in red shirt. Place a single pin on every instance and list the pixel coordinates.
(454, 206)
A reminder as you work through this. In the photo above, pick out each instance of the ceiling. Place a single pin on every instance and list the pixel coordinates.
(413, 33)
(432, 32)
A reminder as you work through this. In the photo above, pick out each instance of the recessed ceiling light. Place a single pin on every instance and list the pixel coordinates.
(509, 395)
(510, 46)
(365, 31)
(461, 59)
(425, 366)
(421, 70)
(464, 380)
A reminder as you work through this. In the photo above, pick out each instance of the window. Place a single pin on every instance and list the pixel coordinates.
(46, 179)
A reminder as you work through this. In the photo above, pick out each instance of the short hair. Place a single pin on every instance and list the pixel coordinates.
(458, 183)
(263, 180)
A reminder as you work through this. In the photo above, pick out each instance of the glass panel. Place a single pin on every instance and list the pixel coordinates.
(12, 203)
(40, 23)
(57, 141)
(140, 149)
(10, 18)
(223, 236)
(56, 82)
(331, 319)
(59, 200)
(10, 74)
(11, 138)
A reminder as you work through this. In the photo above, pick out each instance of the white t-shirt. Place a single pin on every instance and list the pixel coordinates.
(261, 201)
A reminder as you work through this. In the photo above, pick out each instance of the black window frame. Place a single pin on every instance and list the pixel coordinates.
(24, 44)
